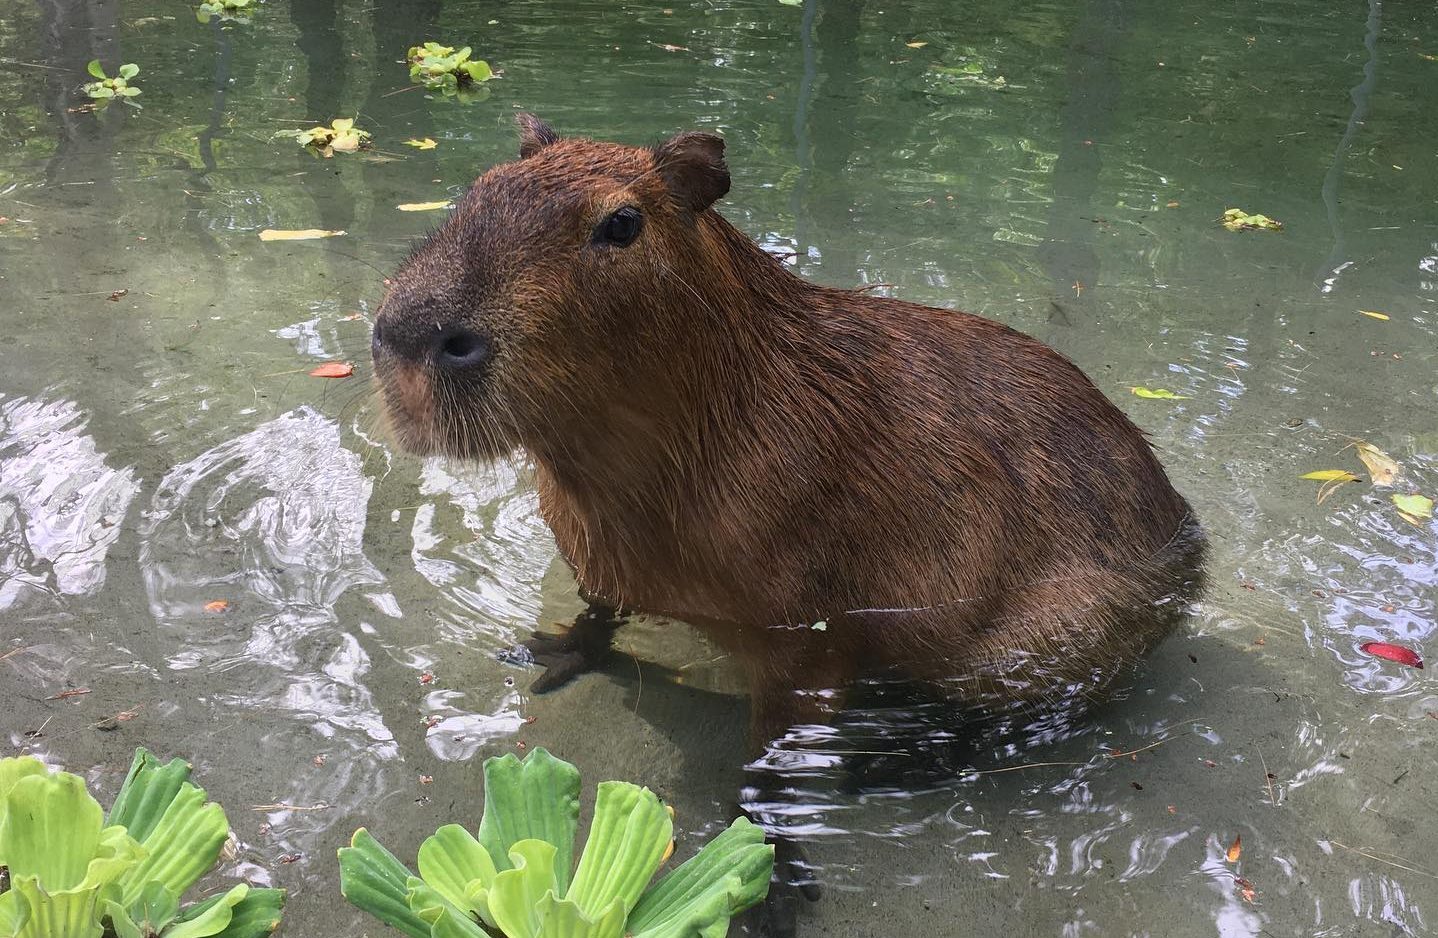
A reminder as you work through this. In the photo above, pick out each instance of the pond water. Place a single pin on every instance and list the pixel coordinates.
(1058, 166)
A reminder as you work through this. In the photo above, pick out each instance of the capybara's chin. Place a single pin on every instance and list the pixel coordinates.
(826, 482)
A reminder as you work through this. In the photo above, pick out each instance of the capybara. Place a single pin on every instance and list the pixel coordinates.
(826, 482)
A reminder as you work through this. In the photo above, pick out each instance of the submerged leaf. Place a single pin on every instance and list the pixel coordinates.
(1236, 219)
(1396, 653)
(297, 234)
(1416, 507)
(1162, 394)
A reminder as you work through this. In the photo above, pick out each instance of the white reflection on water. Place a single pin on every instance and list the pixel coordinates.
(273, 522)
(60, 504)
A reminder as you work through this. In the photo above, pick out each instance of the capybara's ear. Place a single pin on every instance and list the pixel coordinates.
(534, 135)
(692, 166)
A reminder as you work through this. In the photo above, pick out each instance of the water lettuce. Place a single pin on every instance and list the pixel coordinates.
(516, 875)
(75, 873)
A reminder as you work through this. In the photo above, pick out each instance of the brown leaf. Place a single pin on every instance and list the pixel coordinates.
(1382, 468)
(217, 605)
(1235, 849)
(67, 694)
(115, 297)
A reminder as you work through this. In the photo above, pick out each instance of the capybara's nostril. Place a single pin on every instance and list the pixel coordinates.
(462, 348)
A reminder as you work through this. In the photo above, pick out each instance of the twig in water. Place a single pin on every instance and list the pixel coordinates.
(1134, 752)
(1400, 866)
(281, 806)
(1267, 777)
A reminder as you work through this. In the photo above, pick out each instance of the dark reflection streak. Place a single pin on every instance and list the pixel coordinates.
(316, 22)
(803, 155)
(823, 202)
(72, 33)
(1085, 122)
(200, 192)
(1360, 95)
(217, 110)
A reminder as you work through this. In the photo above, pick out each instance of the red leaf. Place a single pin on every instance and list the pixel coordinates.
(1393, 653)
(333, 370)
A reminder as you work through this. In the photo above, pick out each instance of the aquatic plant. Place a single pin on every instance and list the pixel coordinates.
(340, 136)
(73, 873)
(445, 69)
(106, 87)
(516, 877)
(225, 10)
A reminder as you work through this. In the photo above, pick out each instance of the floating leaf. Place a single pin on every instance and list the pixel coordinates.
(1380, 316)
(1415, 508)
(423, 206)
(1161, 394)
(333, 370)
(426, 144)
(1330, 475)
(1236, 219)
(1398, 653)
(1382, 468)
(1235, 849)
(917, 44)
(217, 605)
(297, 234)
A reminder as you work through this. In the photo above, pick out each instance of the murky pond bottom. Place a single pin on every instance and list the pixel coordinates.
(1060, 167)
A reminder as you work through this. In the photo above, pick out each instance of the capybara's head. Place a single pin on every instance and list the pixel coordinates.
(533, 304)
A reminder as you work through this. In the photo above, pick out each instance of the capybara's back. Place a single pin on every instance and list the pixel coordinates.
(827, 482)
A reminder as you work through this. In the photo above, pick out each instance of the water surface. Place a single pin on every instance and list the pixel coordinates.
(1056, 166)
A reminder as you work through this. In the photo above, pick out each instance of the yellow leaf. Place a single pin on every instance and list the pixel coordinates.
(1382, 468)
(1161, 394)
(422, 206)
(1235, 849)
(1330, 475)
(1417, 507)
(301, 234)
(425, 144)
(1382, 316)
(917, 44)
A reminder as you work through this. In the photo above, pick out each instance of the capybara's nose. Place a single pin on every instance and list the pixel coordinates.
(452, 347)
(461, 348)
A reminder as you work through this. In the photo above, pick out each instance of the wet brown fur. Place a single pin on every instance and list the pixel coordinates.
(717, 440)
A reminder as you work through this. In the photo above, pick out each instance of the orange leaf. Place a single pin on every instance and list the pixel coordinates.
(217, 605)
(333, 370)
(1235, 849)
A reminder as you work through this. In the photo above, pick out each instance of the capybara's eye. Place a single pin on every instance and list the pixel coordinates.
(621, 228)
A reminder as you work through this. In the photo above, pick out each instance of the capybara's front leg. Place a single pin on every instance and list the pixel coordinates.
(584, 646)
(798, 684)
